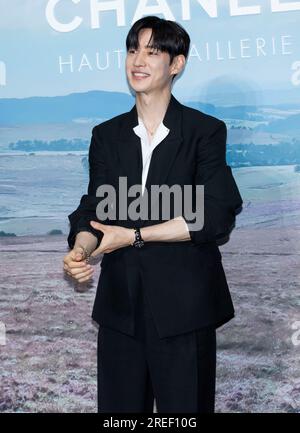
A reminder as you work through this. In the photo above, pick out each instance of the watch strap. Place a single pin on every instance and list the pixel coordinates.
(138, 242)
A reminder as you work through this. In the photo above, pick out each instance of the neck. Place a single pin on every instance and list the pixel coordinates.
(152, 108)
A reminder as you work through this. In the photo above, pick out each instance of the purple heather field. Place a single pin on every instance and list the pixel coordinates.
(49, 361)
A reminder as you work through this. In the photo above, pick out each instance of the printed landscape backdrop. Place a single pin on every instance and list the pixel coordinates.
(61, 73)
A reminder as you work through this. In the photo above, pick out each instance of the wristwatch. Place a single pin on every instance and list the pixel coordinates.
(138, 243)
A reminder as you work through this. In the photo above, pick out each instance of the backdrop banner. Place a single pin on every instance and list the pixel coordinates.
(62, 71)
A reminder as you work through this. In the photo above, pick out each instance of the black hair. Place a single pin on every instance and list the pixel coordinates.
(167, 36)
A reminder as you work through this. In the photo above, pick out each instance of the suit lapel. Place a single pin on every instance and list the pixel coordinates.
(163, 156)
(130, 155)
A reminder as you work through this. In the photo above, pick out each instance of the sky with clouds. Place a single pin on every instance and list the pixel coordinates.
(30, 48)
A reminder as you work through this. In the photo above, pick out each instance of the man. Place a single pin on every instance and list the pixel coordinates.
(162, 291)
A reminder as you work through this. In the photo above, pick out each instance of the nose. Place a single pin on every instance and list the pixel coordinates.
(139, 59)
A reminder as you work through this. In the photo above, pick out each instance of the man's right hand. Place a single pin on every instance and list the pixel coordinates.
(76, 266)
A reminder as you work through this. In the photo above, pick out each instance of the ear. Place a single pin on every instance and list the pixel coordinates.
(178, 65)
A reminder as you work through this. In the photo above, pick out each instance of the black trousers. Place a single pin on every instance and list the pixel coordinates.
(178, 371)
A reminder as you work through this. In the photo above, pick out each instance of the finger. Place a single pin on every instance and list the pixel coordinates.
(78, 257)
(79, 272)
(74, 257)
(66, 268)
(71, 257)
(97, 252)
(68, 272)
(67, 260)
(84, 275)
(79, 254)
(98, 226)
(75, 273)
(83, 279)
(79, 265)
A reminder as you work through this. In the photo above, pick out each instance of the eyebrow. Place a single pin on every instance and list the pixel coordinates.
(150, 46)
(147, 46)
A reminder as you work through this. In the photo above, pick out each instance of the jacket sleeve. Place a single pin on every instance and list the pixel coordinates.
(222, 200)
(86, 211)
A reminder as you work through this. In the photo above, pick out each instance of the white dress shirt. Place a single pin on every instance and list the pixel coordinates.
(147, 148)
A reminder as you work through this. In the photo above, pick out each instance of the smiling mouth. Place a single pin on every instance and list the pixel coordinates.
(140, 75)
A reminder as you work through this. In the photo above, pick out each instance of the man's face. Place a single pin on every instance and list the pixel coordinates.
(152, 63)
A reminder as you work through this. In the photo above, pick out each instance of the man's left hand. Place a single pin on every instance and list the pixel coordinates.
(114, 237)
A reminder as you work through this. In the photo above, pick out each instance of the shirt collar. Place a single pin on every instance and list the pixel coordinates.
(141, 130)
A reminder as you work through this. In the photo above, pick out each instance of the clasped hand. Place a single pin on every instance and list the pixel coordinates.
(114, 237)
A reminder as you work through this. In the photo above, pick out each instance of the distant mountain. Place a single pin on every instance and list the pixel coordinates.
(40, 109)
(95, 106)
(91, 105)
(291, 123)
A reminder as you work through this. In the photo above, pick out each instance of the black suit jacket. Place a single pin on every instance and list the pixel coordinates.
(185, 280)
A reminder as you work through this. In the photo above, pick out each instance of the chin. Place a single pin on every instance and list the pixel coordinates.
(139, 88)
